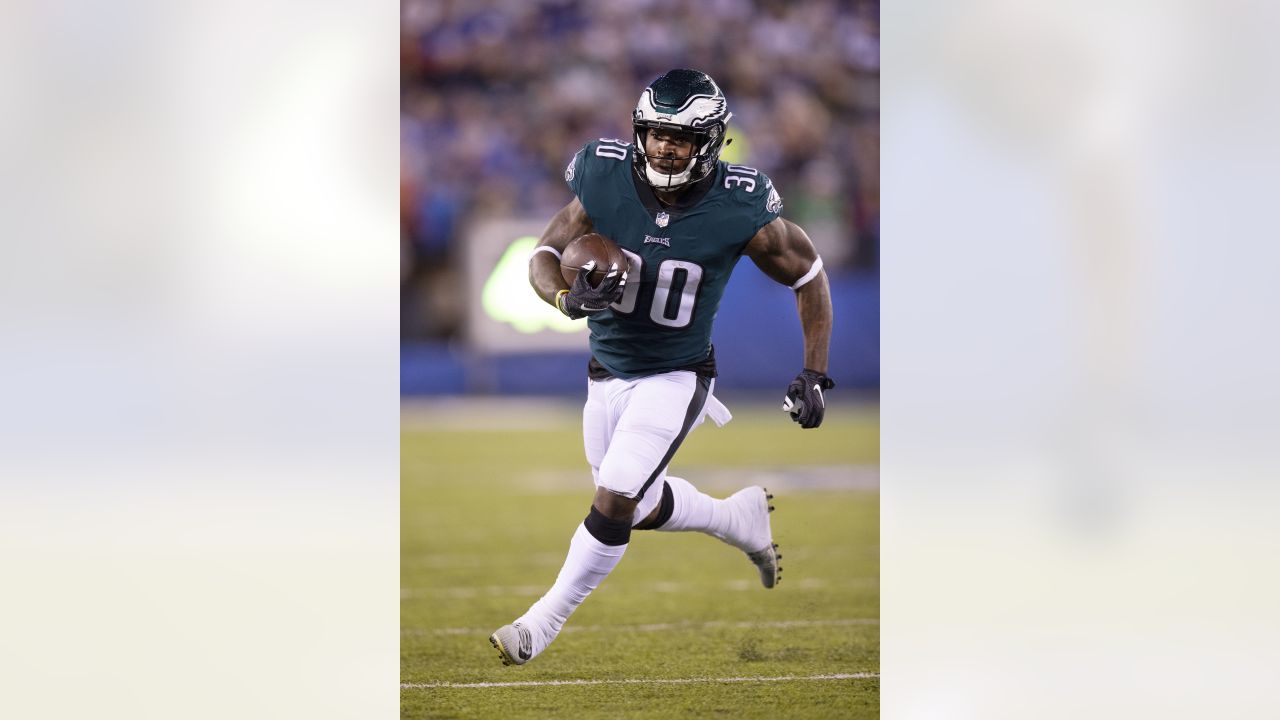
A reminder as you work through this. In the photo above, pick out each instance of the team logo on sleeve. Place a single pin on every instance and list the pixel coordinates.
(568, 172)
(774, 203)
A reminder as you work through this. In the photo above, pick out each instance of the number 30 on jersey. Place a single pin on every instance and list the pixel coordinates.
(674, 294)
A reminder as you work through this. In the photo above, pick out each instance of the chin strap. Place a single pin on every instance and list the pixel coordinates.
(663, 181)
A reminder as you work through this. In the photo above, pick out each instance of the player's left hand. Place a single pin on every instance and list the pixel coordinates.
(804, 398)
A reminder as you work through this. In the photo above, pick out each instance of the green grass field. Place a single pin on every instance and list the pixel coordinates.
(682, 628)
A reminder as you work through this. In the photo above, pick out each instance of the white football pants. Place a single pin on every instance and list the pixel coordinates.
(632, 428)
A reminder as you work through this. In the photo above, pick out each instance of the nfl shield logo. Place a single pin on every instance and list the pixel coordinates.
(662, 219)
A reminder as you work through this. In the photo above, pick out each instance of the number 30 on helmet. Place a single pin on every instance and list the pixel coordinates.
(687, 101)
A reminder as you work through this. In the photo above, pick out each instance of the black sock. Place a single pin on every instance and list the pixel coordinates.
(665, 507)
(607, 531)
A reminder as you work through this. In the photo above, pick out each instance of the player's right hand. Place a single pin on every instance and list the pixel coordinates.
(582, 300)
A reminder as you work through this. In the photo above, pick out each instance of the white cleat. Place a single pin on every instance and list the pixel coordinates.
(766, 561)
(514, 644)
(759, 533)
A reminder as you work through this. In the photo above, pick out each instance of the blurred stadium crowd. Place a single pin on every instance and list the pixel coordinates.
(497, 95)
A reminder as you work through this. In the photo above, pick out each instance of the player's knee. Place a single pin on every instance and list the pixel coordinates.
(619, 478)
(613, 505)
(610, 518)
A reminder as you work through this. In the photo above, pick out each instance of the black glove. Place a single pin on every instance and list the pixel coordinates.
(804, 398)
(582, 300)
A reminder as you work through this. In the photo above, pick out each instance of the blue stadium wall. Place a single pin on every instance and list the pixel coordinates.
(757, 338)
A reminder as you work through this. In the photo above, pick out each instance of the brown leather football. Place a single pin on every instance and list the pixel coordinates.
(592, 246)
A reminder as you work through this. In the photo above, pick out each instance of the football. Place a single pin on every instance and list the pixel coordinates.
(592, 246)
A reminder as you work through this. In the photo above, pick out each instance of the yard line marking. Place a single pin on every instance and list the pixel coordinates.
(663, 627)
(467, 593)
(641, 681)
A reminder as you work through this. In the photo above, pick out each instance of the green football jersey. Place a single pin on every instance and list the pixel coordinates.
(681, 256)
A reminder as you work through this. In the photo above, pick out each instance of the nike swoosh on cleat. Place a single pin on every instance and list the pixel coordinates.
(526, 644)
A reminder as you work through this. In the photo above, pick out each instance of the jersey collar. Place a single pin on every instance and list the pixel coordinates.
(685, 201)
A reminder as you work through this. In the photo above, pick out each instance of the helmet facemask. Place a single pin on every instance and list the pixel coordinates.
(707, 143)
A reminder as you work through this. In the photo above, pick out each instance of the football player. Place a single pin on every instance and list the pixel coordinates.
(682, 218)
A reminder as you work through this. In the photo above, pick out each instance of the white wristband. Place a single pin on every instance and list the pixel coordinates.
(813, 273)
(545, 248)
